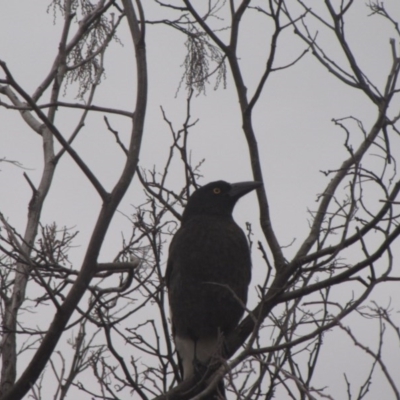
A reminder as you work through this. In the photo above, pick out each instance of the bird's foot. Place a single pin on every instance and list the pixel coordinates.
(199, 367)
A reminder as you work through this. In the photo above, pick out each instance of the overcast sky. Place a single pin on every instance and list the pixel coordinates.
(293, 124)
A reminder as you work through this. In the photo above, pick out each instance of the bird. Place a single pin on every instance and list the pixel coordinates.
(208, 274)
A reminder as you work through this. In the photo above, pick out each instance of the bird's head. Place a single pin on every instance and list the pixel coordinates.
(217, 198)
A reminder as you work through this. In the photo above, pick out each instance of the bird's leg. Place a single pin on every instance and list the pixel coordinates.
(202, 366)
(207, 351)
(198, 365)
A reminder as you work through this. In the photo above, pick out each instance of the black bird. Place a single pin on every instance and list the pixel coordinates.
(208, 274)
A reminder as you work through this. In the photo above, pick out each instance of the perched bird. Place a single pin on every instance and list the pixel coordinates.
(208, 274)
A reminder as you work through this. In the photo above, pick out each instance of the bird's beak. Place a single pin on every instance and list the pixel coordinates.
(241, 188)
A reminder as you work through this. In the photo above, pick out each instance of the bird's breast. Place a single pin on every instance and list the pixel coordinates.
(207, 248)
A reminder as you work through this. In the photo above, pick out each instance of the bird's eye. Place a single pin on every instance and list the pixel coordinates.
(217, 190)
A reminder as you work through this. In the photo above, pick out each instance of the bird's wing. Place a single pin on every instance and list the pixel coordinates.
(170, 265)
(169, 269)
(168, 274)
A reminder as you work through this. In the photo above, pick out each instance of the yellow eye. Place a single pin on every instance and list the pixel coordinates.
(217, 190)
